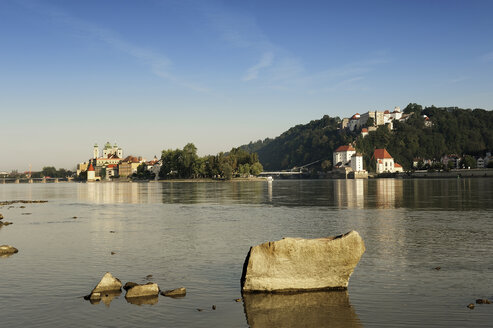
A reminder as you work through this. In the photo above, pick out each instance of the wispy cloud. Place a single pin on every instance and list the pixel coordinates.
(159, 64)
(265, 61)
(277, 67)
(241, 30)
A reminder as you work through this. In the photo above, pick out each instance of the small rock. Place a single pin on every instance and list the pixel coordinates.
(26, 213)
(213, 307)
(200, 310)
(7, 249)
(22, 206)
(238, 300)
(1, 216)
(112, 231)
(177, 292)
(5, 223)
(112, 253)
(483, 301)
(438, 268)
(107, 283)
(149, 276)
(471, 306)
(149, 289)
(129, 285)
(74, 217)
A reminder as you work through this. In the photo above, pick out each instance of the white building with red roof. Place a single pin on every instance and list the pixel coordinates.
(342, 155)
(91, 173)
(385, 162)
(364, 132)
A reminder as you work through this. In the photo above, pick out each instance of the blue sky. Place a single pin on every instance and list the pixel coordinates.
(153, 75)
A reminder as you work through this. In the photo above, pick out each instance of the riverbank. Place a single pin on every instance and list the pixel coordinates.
(471, 173)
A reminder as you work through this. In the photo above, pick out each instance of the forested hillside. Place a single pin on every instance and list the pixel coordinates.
(452, 131)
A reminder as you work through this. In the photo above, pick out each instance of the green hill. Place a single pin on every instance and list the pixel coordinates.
(452, 131)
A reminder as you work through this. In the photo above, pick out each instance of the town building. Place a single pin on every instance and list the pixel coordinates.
(451, 161)
(342, 155)
(384, 162)
(364, 132)
(91, 174)
(129, 165)
(357, 162)
(154, 166)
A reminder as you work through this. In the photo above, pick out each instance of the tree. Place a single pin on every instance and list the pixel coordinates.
(326, 165)
(256, 168)
(468, 162)
(226, 171)
(49, 171)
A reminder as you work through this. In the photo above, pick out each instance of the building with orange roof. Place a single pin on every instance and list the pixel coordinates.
(91, 173)
(342, 155)
(364, 132)
(385, 162)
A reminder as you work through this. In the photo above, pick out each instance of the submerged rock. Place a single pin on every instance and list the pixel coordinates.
(129, 285)
(7, 249)
(1, 216)
(149, 289)
(471, 306)
(177, 292)
(297, 264)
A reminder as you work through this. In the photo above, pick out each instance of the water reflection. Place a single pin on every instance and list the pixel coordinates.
(149, 300)
(106, 298)
(352, 193)
(388, 193)
(311, 309)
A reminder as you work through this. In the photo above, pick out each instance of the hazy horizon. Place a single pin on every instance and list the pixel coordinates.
(158, 74)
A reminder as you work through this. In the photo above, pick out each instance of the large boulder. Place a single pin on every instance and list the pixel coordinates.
(297, 264)
(7, 249)
(149, 289)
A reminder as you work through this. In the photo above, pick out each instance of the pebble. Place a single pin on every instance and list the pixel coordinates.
(471, 306)
(438, 268)
(213, 307)
(238, 300)
(483, 301)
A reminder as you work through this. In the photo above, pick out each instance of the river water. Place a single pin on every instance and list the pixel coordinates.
(197, 235)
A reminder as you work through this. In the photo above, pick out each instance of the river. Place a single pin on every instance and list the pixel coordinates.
(197, 235)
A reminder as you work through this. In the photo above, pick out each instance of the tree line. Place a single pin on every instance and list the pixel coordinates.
(185, 164)
(453, 131)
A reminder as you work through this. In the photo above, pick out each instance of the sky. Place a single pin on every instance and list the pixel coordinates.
(157, 74)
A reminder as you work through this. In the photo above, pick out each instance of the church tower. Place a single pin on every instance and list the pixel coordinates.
(95, 153)
(91, 174)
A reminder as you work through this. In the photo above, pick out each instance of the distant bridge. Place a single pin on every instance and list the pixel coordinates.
(297, 170)
(34, 180)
